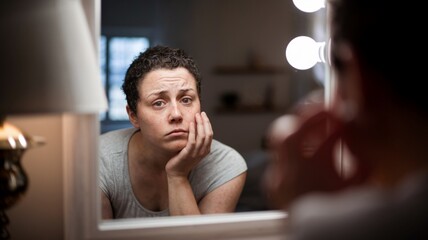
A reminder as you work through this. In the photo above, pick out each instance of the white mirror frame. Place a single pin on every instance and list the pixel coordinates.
(82, 210)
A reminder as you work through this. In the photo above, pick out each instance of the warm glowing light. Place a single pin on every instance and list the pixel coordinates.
(309, 5)
(12, 142)
(303, 52)
(13, 138)
(12, 135)
(22, 141)
(7, 130)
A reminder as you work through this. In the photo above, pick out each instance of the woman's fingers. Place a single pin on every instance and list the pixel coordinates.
(208, 132)
(306, 159)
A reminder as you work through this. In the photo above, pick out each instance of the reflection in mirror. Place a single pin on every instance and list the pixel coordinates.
(239, 47)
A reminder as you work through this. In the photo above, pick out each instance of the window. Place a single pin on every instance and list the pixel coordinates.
(116, 53)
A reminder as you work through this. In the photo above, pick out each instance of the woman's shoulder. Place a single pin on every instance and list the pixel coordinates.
(223, 152)
(115, 140)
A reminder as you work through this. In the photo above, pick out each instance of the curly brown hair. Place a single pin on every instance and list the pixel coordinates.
(154, 58)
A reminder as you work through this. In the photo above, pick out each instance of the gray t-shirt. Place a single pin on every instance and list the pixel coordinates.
(221, 165)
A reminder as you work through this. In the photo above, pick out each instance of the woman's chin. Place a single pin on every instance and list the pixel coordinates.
(177, 145)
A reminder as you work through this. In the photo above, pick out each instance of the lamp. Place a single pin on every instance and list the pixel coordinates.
(309, 6)
(48, 64)
(304, 52)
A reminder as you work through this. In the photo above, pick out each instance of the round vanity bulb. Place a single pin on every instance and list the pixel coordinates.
(309, 5)
(303, 52)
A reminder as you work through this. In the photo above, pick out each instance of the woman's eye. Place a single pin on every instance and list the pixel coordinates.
(186, 100)
(158, 103)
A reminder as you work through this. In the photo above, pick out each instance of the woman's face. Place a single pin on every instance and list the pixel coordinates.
(168, 102)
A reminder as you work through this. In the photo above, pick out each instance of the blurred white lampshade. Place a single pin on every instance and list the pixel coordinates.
(48, 61)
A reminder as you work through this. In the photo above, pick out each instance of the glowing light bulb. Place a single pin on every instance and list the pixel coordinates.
(303, 52)
(309, 5)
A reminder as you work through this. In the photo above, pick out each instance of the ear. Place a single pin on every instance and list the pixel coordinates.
(133, 118)
(361, 89)
(349, 95)
(371, 94)
(355, 76)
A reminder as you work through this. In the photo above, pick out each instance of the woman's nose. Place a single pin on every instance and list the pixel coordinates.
(175, 113)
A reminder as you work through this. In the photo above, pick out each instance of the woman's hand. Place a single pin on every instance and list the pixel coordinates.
(198, 146)
(305, 161)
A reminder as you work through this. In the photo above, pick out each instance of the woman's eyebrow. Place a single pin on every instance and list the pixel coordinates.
(163, 92)
(156, 93)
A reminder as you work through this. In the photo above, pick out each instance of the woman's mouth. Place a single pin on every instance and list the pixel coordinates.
(177, 133)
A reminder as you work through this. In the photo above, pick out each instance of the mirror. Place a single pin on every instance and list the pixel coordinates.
(240, 49)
